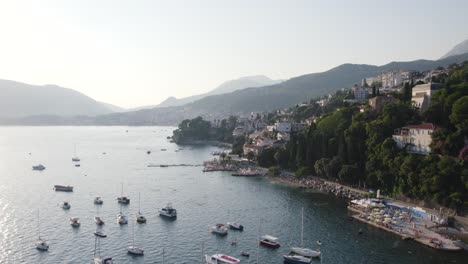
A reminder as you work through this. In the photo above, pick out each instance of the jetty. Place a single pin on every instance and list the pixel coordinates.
(173, 165)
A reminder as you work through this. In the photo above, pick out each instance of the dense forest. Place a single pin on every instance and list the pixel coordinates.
(357, 148)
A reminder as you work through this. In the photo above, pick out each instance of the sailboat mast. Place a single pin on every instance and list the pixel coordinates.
(38, 225)
(302, 228)
(139, 202)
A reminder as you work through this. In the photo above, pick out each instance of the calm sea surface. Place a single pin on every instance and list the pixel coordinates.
(202, 200)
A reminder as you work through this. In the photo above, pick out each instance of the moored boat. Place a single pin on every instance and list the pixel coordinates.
(133, 249)
(122, 219)
(42, 244)
(39, 167)
(123, 199)
(63, 188)
(219, 229)
(305, 252)
(220, 259)
(99, 260)
(235, 226)
(296, 259)
(75, 222)
(98, 200)
(65, 205)
(269, 241)
(168, 211)
(98, 220)
(100, 234)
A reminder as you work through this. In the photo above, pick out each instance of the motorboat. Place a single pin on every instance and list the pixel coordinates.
(41, 244)
(63, 188)
(269, 241)
(123, 199)
(220, 259)
(245, 254)
(296, 259)
(148, 152)
(77, 165)
(75, 222)
(168, 211)
(76, 159)
(219, 229)
(235, 226)
(305, 252)
(98, 200)
(98, 220)
(122, 219)
(100, 234)
(39, 167)
(65, 205)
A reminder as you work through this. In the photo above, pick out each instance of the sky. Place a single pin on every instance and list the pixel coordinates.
(135, 53)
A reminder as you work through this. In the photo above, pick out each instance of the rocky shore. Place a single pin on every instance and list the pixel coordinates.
(323, 186)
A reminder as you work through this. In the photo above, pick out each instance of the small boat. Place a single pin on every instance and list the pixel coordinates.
(219, 229)
(76, 159)
(168, 211)
(133, 250)
(77, 165)
(65, 205)
(99, 260)
(269, 241)
(245, 254)
(220, 259)
(123, 199)
(235, 226)
(98, 220)
(148, 152)
(98, 200)
(140, 218)
(39, 167)
(42, 245)
(63, 188)
(122, 219)
(100, 234)
(75, 222)
(296, 259)
(304, 252)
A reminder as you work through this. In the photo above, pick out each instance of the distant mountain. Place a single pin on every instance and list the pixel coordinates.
(226, 87)
(266, 98)
(20, 99)
(460, 48)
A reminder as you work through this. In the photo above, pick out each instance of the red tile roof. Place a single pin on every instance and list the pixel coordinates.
(422, 126)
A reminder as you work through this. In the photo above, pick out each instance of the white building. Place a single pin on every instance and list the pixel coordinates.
(417, 138)
(360, 93)
(422, 93)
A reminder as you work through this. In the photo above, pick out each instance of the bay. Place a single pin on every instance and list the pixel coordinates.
(111, 156)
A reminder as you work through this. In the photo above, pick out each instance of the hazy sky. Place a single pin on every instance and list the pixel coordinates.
(133, 53)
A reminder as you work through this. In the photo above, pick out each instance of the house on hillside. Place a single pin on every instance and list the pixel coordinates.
(422, 93)
(377, 103)
(417, 138)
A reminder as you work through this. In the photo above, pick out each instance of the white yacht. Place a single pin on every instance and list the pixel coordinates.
(75, 222)
(302, 251)
(168, 211)
(235, 226)
(65, 205)
(98, 200)
(220, 259)
(219, 229)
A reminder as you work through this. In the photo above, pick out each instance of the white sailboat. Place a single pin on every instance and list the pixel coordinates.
(41, 244)
(133, 249)
(121, 218)
(140, 218)
(302, 251)
(75, 157)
